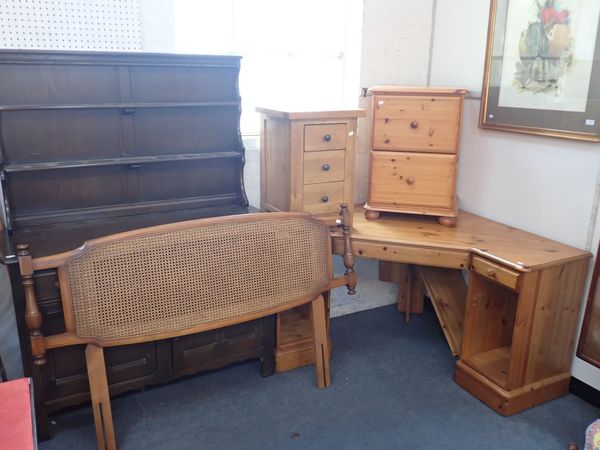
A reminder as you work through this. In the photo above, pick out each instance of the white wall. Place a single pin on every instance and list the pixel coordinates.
(395, 50)
(543, 185)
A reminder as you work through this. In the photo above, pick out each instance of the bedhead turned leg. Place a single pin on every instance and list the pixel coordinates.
(96, 367)
(348, 255)
(321, 343)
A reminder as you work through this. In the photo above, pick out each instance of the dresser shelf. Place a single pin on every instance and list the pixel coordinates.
(124, 161)
(126, 106)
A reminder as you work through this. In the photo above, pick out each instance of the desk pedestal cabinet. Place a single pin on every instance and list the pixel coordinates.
(522, 303)
(519, 333)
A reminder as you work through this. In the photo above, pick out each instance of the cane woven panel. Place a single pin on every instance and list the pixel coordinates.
(178, 279)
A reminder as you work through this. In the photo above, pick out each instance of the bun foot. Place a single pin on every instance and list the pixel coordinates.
(370, 214)
(447, 221)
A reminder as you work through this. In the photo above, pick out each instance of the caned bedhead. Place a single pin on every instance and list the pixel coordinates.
(174, 280)
(184, 278)
(188, 277)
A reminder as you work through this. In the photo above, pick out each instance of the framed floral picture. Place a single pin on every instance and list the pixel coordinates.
(542, 68)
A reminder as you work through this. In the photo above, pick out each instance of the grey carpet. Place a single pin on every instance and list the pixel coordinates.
(391, 388)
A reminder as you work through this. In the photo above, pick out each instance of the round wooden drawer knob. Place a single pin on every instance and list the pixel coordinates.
(414, 124)
(324, 199)
(327, 137)
(325, 167)
(491, 273)
(410, 181)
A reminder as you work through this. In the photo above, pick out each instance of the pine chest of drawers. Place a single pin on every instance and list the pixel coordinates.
(414, 151)
(306, 164)
(307, 160)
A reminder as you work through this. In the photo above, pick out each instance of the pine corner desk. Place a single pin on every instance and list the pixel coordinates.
(514, 327)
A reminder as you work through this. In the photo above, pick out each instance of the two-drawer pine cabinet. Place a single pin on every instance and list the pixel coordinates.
(414, 151)
(307, 159)
(307, 164)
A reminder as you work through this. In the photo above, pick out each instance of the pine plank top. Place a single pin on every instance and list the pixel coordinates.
(301, 113)
(392, 89)
(473, 234)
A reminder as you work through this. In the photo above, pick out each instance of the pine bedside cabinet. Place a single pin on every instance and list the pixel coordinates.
(307, 160)
(414, 151)
(306, 164)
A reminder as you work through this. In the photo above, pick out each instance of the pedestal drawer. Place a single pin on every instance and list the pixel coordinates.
(502, 275)
(412, 179)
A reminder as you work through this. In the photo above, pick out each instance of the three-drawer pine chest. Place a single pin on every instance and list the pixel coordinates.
(414, 151)
(306, 164)
(307, 159)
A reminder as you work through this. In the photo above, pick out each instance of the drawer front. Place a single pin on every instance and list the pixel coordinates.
(492, 271)
(412, 179)
(324, 167)
(329, 136)
(452, 259)
(323, 197)
(428, 124)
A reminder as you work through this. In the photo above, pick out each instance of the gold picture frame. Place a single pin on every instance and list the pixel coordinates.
(542, 69)
(588, 348)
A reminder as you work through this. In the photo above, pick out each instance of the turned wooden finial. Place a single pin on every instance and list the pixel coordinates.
(348, 256)
(33, 316)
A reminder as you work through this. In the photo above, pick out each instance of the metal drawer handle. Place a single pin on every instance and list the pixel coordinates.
(491, 273)
(327, 137)
(414, 124)
(325, 167)
(410, 181)
(324, 199)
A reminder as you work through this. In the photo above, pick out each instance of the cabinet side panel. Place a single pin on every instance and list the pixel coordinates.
(350, 164)
(276, 165)
(555, 321)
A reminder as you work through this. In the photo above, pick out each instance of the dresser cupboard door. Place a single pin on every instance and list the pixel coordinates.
(412, 179)
(416, 123)
(212, 349)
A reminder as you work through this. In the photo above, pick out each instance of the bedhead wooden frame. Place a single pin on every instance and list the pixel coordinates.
(113, 288)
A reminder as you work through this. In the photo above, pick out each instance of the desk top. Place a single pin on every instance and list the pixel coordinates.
(473, 234)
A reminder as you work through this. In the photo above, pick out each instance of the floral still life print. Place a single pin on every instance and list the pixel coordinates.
(548, 54)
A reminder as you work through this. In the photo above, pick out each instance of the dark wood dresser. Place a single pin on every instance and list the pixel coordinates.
(97, 143)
